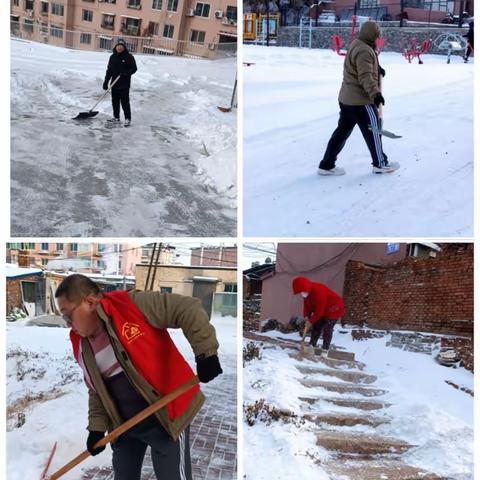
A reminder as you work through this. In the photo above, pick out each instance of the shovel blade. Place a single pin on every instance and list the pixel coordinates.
(383, 132)
(225, 109)
(83, 115)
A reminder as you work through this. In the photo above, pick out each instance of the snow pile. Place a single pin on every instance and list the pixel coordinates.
(41, 371)
(426, 412)
(291, 110)
(152, 178)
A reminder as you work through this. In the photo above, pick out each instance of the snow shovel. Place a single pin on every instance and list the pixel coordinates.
(91, 113)
(302, 343)
(229, 109)
(123, 428)
(380, 128)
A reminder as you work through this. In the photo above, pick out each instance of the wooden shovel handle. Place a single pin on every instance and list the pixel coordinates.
(126, 426)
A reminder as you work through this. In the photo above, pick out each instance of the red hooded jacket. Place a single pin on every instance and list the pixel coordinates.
(321, 301)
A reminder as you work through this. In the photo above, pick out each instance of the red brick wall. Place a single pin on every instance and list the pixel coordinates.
(421, 294)
(14, 292)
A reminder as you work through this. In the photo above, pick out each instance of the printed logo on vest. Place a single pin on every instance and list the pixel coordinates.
(131, 331)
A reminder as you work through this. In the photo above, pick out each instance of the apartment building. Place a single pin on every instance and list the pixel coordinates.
(148, 26)
(119, 259)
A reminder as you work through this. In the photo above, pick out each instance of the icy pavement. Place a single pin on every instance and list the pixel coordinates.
(173, 172)
(290, 112)
(387, 414)
(47, 402)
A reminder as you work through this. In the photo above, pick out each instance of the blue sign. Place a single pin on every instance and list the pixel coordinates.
(393, 248)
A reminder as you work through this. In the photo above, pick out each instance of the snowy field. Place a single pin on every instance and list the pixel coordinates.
(172, 173)
(291, 110)
(425, 412)
(45, 384)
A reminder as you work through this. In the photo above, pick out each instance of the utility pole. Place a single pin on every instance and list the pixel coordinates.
(401, 13)
(268, 22)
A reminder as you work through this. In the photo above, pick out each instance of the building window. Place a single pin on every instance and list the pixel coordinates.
(57, 9)
(86, 38)
(168, 31)
(172, 5)
(44, 8)
(87, 15)
(371, 3)
(59, 245)
(134, 4)
(44, 261)
(101, 247)
(165, 289)
(56, 31)
(230, 288)
(105, 43)
(108, 21)
(130, 26)
(100, 264)
(16, 3)
(28, 25)
(202, 10)
(153, 28)
(74, 247)
(197, 37)
(231, 14)
(157, 4)
(44, 247)
(119, 265)
(29, 4)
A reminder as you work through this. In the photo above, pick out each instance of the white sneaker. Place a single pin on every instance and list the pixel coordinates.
(113, 120)
(389, 168)
(324, 353)
(332, 171)
(127, 123)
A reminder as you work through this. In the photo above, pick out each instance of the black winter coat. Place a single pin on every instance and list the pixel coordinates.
(122, 64)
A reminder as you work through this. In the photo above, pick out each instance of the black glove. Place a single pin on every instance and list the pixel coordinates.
(208, 368)
(105, 85)
(378, 100)
(93, 438)
(381, 71)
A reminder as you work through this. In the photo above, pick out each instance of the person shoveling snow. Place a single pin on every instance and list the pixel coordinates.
(360, 99)
(322, 307)
(129, 361)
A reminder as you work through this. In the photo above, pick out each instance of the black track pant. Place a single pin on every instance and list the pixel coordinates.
(351, 115)
(469, 50)
(121, 96)
(322, 326)
(171, 460)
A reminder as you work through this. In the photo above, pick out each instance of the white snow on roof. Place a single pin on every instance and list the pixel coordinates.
(13, 271)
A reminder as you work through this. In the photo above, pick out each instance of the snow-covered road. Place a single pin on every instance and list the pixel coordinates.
(291, 109)
(172, 173)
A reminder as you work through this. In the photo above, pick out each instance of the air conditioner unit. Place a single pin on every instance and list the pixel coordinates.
(30, 13)
(218, 14)
(190, 12)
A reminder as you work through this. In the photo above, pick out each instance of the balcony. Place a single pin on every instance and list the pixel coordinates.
(134, 5)
(229, 21)
(130, 30)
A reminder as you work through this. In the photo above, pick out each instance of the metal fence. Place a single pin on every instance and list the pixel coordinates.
(400, 12)
(153, 45)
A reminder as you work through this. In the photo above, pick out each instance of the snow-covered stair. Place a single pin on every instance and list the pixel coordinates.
(379, 470)
(348, 402)
(344, 387)
(346, 375)
(345, 419)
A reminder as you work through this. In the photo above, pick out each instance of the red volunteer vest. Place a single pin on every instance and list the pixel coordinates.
(152, 351)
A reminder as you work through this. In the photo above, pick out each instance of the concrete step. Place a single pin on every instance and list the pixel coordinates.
(344, 388)
(329, 362)
(345, 419)
(378, 470)
(347, 402)
(337, 355)
(346, 375)
(361, 443)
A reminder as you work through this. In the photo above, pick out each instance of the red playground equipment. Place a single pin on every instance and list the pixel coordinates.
(410, 49)
(337, 40)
